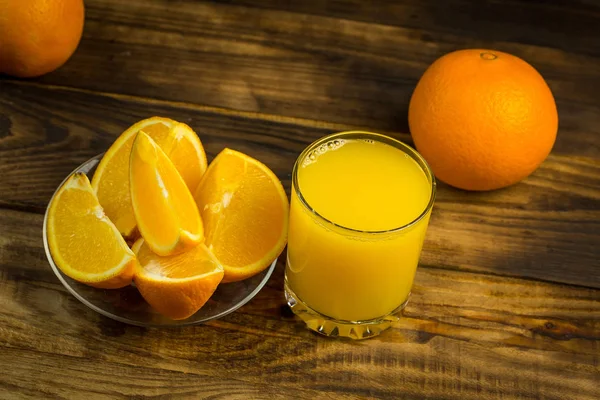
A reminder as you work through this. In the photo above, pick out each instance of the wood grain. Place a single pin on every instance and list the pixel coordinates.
(40, 375)
(325, 68)
(464, 336)
(506, 302)
(547, 227)
(519, 21)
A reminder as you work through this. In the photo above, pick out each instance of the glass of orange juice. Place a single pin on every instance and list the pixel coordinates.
(360, 207)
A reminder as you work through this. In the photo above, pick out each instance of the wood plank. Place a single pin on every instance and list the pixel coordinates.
(65, 377)
(323, 68)
(520, 21)
(464, 336)
(547, 227)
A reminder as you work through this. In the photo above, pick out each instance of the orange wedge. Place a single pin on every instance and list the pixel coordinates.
(245, 213)
(177, 286)
(166, 214)
(84, 243)
(111, 179)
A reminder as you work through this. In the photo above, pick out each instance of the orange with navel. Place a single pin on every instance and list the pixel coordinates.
(483, 119)
(38, 36)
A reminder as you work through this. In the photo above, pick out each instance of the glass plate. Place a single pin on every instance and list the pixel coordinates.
(128, 306)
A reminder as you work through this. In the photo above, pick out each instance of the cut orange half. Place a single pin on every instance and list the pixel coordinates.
(111, 179)
(166, 214)
(177, 286)
(245, 213)
(84, 243)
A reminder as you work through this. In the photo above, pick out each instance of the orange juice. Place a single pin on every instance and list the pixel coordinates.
(360, 207)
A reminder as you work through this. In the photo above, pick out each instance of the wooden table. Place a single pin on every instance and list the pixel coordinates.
(506, 302)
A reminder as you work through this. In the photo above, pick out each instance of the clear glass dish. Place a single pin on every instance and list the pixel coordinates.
(128, 306)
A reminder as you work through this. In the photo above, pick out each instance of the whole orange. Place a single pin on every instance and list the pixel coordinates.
(38, 36)
(483, 119)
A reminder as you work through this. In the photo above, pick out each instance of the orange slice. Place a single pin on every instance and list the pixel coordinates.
(164, 209)
(84, 243)
(245, 213)
(111, 179)
(177, 286)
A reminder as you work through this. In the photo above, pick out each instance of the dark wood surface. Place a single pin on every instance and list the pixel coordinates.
(506, 301)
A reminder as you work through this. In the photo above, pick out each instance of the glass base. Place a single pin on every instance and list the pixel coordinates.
(331, 327)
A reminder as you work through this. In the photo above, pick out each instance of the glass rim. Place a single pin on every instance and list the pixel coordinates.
(381, 138)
